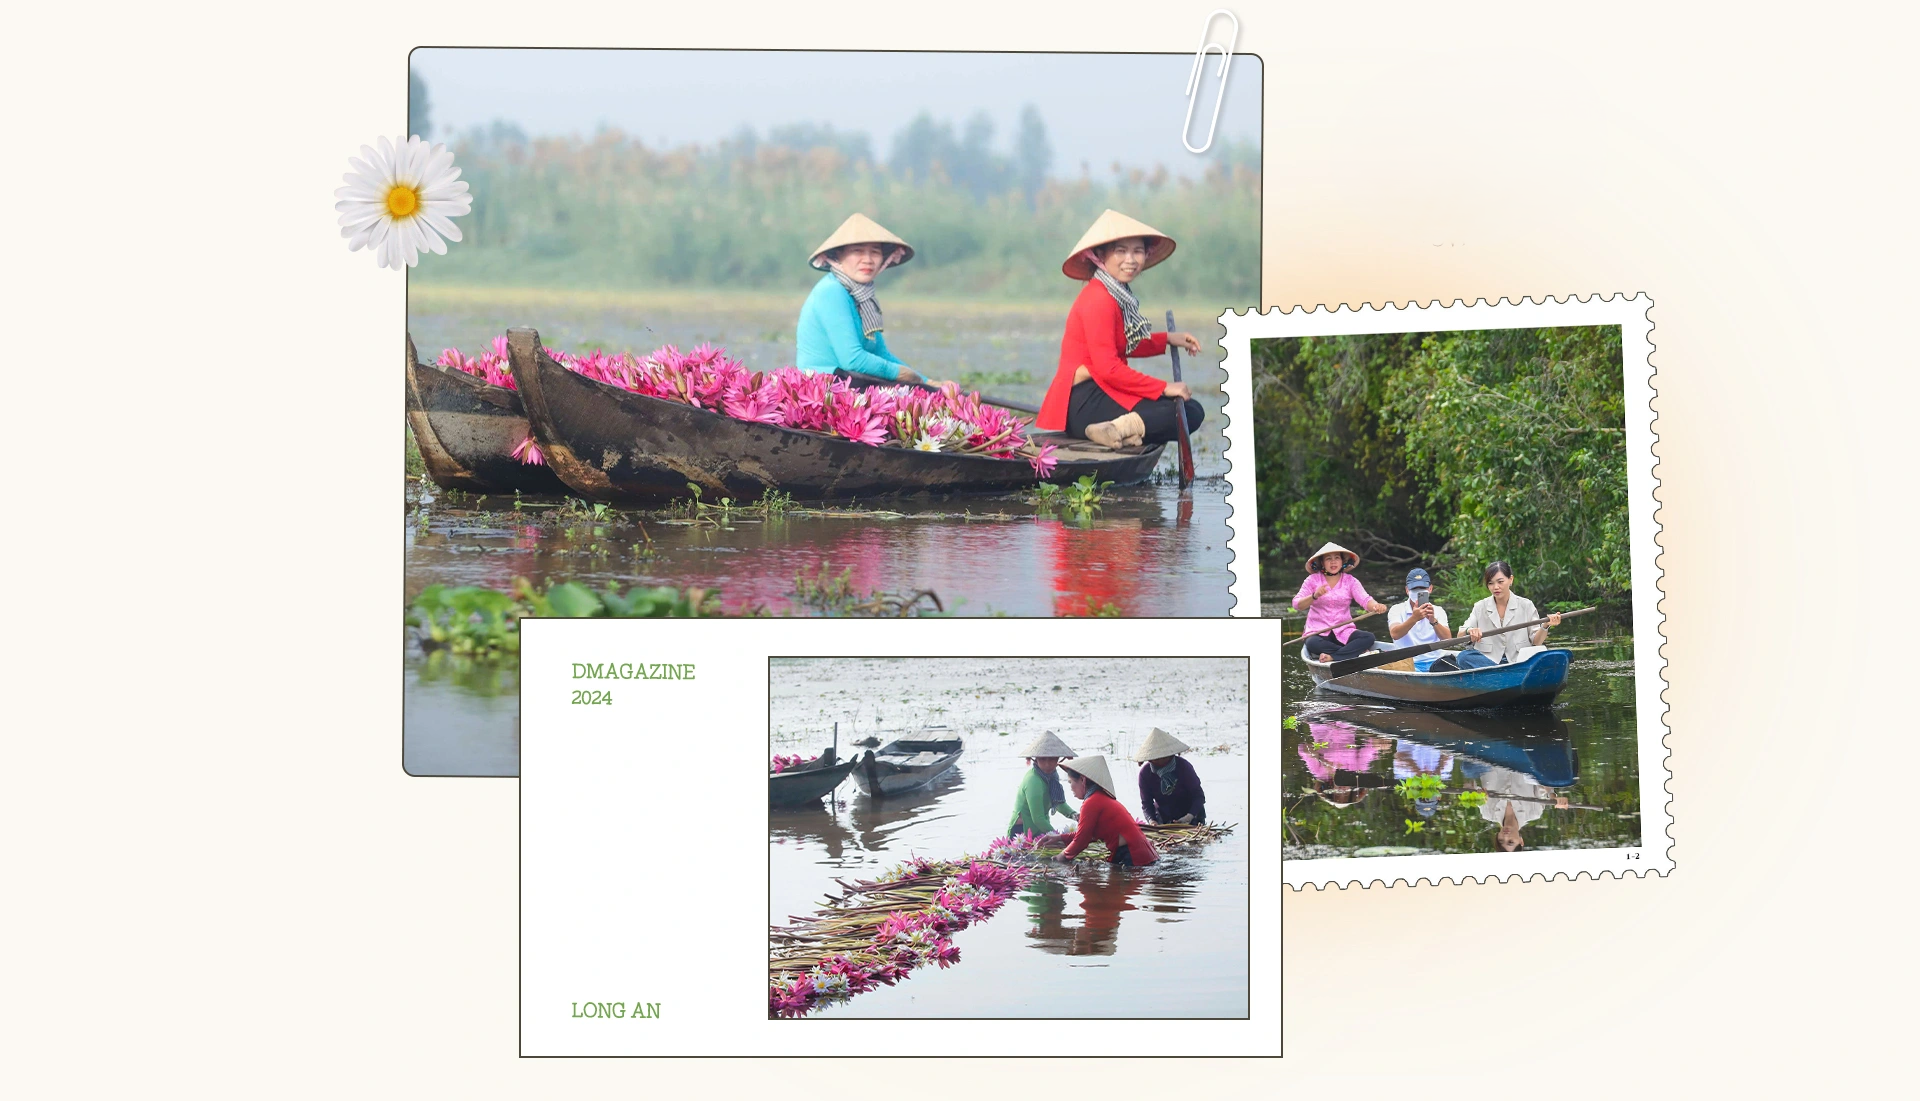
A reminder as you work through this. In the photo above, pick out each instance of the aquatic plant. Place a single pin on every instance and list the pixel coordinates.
(1421, 786)
(783, 762)
(942, 419)
(480, 622)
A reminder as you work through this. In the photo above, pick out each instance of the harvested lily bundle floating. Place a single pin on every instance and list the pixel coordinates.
(1170, 835)
(706, 378)
(876, 932)
(879, 931)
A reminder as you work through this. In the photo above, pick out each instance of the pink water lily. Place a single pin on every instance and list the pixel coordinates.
(707, 378)
(529, 453)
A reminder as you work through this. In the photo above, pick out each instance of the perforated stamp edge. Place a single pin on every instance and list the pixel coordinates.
(1633, 315)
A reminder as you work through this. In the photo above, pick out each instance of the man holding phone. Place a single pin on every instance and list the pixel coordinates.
(1417, 620)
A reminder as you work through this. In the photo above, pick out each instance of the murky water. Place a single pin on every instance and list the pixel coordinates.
(1347, 755)
(1166, 940)
(1149, 550)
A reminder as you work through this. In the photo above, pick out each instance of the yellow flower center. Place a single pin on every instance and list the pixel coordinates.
(402, 201)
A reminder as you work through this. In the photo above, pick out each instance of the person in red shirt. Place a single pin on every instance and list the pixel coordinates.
(1094, 394)
(1102, 818)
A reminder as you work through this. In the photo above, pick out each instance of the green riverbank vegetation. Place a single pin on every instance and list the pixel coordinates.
(612, 213)
(1448, 450)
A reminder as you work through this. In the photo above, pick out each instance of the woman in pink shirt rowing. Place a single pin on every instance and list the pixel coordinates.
(1330, 594)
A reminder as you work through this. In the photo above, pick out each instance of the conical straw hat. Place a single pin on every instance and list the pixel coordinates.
(1109, 227)
(1353, 559)
(1048, 745)
(1159, 744)
(859, 229)
(1093, 768)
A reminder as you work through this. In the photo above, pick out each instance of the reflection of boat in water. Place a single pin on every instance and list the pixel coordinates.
(906, 764)
(807, 783)
(1533, 681)
(813, 823)
(1533, 744)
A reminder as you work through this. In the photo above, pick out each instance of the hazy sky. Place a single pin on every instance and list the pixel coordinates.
(1098, 108)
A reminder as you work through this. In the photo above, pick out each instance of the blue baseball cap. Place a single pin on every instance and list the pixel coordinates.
(1417, 579)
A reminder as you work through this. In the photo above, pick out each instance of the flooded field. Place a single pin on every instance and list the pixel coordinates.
(1148, 550)
(1167, 940)
(1366, 777)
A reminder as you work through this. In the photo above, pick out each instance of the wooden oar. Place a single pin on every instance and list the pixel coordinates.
(1323, 630)
(864, 381)
(1186, 445)
(1388, 657)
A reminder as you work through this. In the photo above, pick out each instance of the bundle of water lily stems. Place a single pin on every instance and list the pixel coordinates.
(876, 932)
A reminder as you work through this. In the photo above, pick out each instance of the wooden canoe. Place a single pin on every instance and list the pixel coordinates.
(1534, 681)
(608, 444)
(467, 430)
(796, 787)
(905, 764)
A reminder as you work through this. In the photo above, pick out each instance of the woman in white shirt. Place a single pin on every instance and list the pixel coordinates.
(1502, 608)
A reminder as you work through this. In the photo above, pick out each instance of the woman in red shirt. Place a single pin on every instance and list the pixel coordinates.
(1095, 395)
(1102, 818)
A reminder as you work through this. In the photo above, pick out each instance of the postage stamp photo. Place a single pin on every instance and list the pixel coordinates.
(1450, 509)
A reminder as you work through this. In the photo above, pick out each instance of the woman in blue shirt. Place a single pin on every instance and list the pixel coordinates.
(840, 326)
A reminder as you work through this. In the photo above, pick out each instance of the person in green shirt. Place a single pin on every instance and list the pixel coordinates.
(1041, 793)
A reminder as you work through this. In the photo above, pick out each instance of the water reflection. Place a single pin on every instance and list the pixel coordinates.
(1370, 778)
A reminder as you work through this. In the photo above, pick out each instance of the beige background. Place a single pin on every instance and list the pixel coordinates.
(217, 875)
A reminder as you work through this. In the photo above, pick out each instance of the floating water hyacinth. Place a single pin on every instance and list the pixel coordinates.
(787, 397)
(877, 932)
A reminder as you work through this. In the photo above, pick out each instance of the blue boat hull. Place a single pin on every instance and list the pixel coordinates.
(1532, 682)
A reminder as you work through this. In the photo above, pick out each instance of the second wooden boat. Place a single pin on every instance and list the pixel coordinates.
(467, 430)
(906, 764)
(798, 786)
(611, 444)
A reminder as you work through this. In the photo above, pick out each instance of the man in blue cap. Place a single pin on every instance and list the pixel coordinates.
(1417, 620)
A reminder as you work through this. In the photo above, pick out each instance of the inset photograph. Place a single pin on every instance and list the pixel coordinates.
(1455, 529)
(1008, 838)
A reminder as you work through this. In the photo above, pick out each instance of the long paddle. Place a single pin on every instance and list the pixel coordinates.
(864, 381)
(1323, 630)
(1186, 445)
(1388, 657)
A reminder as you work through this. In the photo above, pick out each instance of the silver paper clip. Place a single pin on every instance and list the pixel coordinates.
(1193, 82)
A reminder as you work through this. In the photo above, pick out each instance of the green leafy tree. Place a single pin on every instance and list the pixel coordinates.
(1450, 450)
(419, 106)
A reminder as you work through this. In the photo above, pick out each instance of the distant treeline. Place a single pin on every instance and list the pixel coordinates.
(1448, 450)
(613, 213)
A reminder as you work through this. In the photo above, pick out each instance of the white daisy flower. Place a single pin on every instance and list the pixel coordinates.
(399, 199)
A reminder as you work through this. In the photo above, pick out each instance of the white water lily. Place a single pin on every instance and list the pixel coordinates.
(926, 443)
(400, 199)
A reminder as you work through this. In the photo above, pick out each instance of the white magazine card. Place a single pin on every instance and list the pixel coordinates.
(873, 894)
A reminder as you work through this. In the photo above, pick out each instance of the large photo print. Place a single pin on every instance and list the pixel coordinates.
(807, 333)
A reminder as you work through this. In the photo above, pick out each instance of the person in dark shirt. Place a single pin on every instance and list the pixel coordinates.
(1169, 787)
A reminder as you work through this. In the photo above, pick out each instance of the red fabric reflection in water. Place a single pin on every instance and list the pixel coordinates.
(1094, 567)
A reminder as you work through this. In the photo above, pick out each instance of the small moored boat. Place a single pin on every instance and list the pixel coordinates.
(905, 764)
(467, 430)
(799, 786)
(1532, 681)
(610, 444)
